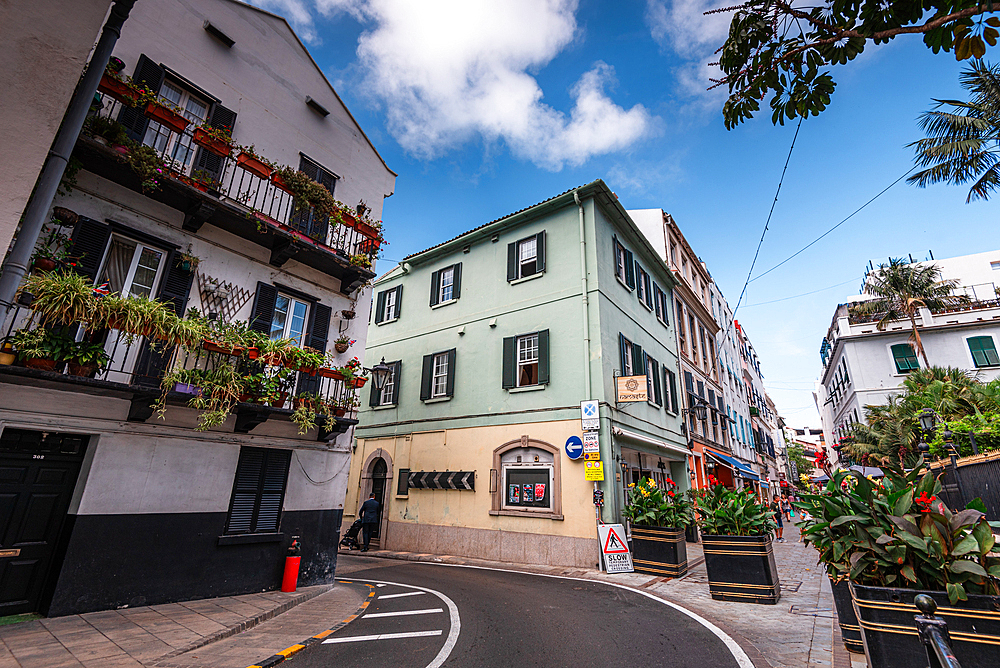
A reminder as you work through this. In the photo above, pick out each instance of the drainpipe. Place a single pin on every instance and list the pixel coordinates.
(35, 213)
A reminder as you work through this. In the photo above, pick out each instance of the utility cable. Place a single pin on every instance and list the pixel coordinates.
(817, 239)
(804, 294)
(770, 213)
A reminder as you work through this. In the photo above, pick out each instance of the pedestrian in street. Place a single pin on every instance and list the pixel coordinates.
(369, 518)
(786, 507)
(776, 509)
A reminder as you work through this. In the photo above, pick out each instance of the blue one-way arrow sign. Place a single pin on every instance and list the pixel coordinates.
(574, 447)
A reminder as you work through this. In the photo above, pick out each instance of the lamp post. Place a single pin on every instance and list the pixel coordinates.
(380, 374)
(928, 422)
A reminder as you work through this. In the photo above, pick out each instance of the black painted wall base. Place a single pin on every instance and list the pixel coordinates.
(117, 560)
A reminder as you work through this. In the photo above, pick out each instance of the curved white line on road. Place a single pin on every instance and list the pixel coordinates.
(456, 622)
(734, 647)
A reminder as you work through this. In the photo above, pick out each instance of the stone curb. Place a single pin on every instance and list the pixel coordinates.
(246, 624)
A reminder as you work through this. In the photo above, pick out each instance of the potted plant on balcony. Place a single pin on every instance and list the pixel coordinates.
(906, 542)
(214, 139)
(147, 165)
(42, 348)
(736, 533)
(187, 261)
(305, 360)
(342, 343)
(819, 512)
(361, 260)
(165, 113)
(86, 359)
(108, 131)
(117, 85)
(307, 193)
(309, 407)
(52, 251)
(249, 160)
(60, 297)
(658, 520)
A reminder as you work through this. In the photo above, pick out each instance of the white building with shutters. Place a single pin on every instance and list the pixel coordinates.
(162, 511)
(863, 365)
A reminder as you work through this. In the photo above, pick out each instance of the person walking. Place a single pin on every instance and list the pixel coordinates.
(786, 507)
(369, 519)
(776, 510)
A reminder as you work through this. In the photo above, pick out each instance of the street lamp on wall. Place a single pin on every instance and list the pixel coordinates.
(380, 374)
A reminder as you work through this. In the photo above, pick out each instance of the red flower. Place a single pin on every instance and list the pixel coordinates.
(670, 493)
(924, 501)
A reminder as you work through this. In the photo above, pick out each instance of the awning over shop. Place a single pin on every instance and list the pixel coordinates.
(677, 451)
(737, 466)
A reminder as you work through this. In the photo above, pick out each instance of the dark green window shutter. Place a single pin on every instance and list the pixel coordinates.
(90, 242)
(380, 307)
(425, 377)
(657, 303)
(624, 348)
(148, 74)
(638, 361)
(629, 270)
(450, 390)
(984, 352)
(399, 300)
(318, 333)
(218, 117)
(540, 246)
(374, 396)
(263, 308)
(905, 358)
(457, 289)
(435, 287)
(657, 389)
(689, 382)
(512, 268)
(508, 362)
(543, 357)
(397, 367)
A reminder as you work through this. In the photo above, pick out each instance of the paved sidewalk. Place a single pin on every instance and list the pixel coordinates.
(799, 632)
(228, 632)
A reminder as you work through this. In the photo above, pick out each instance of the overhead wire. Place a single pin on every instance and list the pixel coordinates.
(804, 294)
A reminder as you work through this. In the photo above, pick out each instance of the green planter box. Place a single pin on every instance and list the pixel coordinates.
(742, 569)
(659, 551)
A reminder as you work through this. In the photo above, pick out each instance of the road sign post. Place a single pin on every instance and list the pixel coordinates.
(574, 447)
(590, 417)
(617, 558)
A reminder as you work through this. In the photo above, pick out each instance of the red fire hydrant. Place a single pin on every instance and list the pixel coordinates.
(291, 577)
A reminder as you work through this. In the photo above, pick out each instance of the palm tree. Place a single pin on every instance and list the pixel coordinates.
(962, 141)
(900, 289)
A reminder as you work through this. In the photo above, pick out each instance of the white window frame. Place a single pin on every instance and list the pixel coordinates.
(385, 394)
(627, 357)
(650, 383)
(286, 330)
(641, 279)
(620, 260)
(134, 264)
(390, 306)
(519, 363)
(521, 260)
(171, 144)
(439, 376)
(450, 286)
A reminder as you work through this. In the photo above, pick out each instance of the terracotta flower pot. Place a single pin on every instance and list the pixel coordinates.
(358, 382)
(117, 89)
(253, 165)
(330, 373)
(339, 412)
(213, 347)
(348, 315)
(211, 144)
(8, 358)
(44, 265)
(41, 364)
(280, 183)
(81, 370)
(341, 347)
(167, 117)
(279, 401)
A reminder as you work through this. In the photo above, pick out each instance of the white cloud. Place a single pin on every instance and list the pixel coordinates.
(683, 27)
(447, 72)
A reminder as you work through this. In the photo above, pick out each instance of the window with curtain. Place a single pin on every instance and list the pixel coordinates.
(131, 268)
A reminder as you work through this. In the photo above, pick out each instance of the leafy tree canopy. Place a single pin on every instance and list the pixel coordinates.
(783, 48)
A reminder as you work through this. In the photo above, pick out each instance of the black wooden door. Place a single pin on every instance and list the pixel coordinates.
(37, 475)
(379, 472)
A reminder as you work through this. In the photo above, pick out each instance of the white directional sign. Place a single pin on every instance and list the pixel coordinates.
(617, 558)
(590, 418)
(590, 442)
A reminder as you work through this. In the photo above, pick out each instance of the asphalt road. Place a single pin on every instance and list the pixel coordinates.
(432, 615)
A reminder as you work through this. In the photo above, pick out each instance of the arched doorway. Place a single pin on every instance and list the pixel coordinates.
(379, 472)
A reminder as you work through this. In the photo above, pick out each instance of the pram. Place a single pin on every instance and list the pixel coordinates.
(350, 539)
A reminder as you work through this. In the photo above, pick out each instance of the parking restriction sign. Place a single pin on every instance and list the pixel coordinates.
(591, 442)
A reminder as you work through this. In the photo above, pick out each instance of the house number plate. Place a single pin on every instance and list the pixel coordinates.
(10, 553)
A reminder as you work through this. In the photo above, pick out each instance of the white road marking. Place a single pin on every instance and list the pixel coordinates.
(385, 636)
(741, 656)
(402, 613)
(408, 593)
(456, 621)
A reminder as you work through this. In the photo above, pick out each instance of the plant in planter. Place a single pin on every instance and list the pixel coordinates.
(904, 541)
(205, 180)
(221, 389)
(86, 359)
(309, 406)
(61, 297)
(146, 163)
(360, 260)
(256, 164)
(53, 249)
(42, 348)
(166, 113)
(659, 519)
(736, 530)
(187, 261)
(108, 129)
(217, 140)
(307, 193)
(343, 342)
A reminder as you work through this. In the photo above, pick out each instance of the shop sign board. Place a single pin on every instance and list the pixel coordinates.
(630, 389)
(591, 442)
(590, 417)
(594, 471)
(574, 447)
(617, 558)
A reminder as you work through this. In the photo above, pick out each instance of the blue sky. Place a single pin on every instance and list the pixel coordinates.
(484, 108)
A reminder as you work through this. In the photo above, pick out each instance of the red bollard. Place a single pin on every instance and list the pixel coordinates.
(291, 577)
